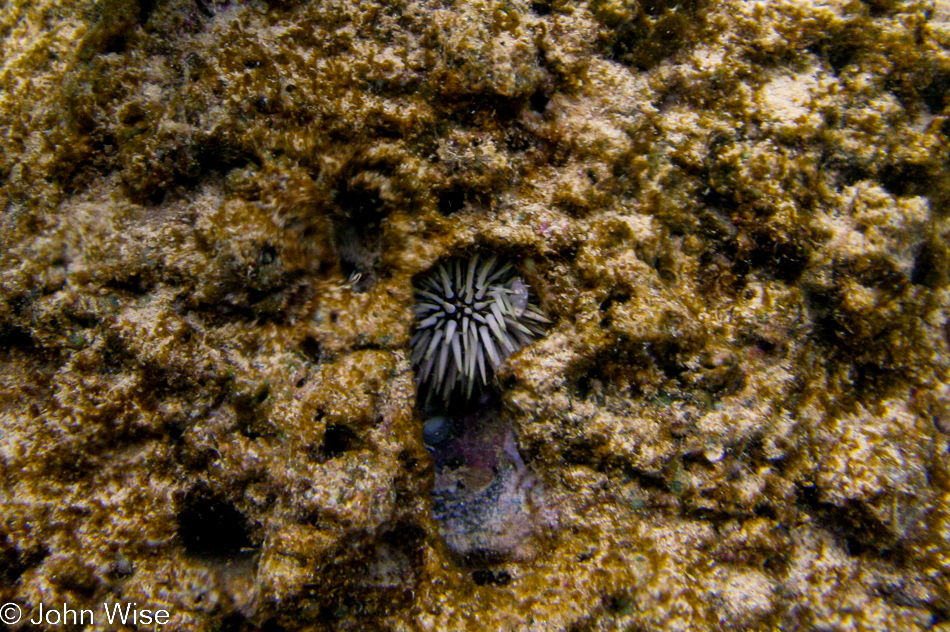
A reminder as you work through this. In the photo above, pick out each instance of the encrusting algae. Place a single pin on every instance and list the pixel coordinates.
(215, 216)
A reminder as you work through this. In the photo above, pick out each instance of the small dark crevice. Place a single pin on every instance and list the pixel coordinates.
(784, 258)
(409, 538)
(251, 412)
(876, 271)
(204, 8)
(271, 625)
(358, 232)
(312, 349)
(839, 53)
(905, 179)
(337, 440)
(486, 577)
(146, 8)
(934, 95)
(13, 336)
(542, 7)
(211, 527)
(235, 622)
(931, 265)
(851, 525)
(452, 200)
(14, 561)
(476, 110)
(539, 102)
(616, 297)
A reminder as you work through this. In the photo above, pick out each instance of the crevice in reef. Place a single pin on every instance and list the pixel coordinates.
(211, 527)
(488, 503)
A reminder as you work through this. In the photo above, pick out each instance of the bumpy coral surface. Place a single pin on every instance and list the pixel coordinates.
(212, 214)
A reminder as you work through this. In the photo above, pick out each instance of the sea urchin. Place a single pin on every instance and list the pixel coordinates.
(470, 316)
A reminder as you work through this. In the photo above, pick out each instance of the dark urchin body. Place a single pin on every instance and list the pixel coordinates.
(470, 316)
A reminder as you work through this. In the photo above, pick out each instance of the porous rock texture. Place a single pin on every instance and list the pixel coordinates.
(734, 213)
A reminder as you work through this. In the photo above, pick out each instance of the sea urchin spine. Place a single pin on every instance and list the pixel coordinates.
(470, 316)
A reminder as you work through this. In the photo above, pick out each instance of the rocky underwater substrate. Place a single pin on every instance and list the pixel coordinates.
(218, 397)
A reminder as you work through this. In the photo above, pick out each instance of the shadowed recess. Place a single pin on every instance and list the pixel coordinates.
(211, 527)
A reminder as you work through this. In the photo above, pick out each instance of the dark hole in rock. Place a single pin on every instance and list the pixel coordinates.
(312, 349)
(854, 545)
(210, 526)
(221, 155)
(616, 297)
(115, 43)
(338, 439)
(13, 336)
(204, 8)
(477, 109)
(619, 602)
(838, 54)
(452, 201)
(358, 232)
(518, 138)
(582, 387)
(656, 7)
(251, 413)
(484, 577)
(539, 101)
(15, 562)
(176, 426)
(155, 197)
(134, 282)
(855, 527)
(541, 7)
(877, 271)
(873, 379)
(668, 357)
(619, 368)
(935, 94)
(262, 104)
(765, 511)
(905, 179)
(407, 460)
(847, 173)
(408, 538)
(328, 615)
(268, 255)
(146, 7)
(931, 265)
(132, 114)
(767, 347)
(234, 622)
(271, 625)
(785, 259)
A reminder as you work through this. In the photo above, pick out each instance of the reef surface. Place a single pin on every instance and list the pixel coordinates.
(734, 213)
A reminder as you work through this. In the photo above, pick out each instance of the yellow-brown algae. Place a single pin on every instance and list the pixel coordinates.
(212, 217)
